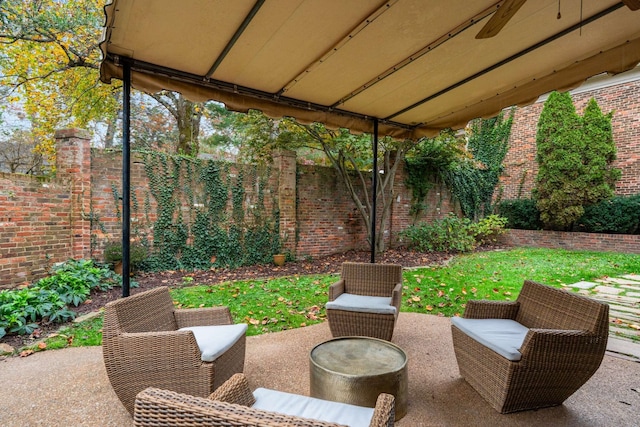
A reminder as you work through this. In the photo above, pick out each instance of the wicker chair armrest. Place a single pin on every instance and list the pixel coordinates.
(235, 390)
(396, 296)
(207, 316)
(485, 309)
(384, 412)
(155, 407)
(336, 290)
(560, 347)
(160, 347)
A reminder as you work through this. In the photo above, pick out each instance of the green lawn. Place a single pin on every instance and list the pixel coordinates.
(498, 275)
(292, 302)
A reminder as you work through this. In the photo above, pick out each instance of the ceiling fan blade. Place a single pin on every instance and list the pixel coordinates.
(499, 19)
(632, 4)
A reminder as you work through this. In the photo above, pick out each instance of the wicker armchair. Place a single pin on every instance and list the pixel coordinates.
(143, 346)
(231, 405)
(560, 341)
(365, 301)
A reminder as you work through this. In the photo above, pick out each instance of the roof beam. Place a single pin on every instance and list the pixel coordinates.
(182, 76)
(428, 48)
(354, 31)
(247, 20)
(511, 58)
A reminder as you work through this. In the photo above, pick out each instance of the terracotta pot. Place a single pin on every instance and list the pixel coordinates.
(117, 267)
(278, 259)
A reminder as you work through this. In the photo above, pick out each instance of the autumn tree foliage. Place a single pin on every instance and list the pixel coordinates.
(50, 61)
(575, 156)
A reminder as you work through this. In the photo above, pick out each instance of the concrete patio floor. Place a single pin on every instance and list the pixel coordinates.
(70, 387)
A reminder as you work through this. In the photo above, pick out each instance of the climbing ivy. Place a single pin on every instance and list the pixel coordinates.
(202, 219)
(470, 168)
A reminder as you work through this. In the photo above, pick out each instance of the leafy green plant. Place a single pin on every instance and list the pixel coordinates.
(47, 300)
(449, 234)
(22, 309)
(488, 229)
(71, 289)
(470, 168)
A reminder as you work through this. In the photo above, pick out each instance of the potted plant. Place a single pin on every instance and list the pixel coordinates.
(113, 255)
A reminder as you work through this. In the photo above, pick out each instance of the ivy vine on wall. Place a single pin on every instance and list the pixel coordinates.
(207, 214)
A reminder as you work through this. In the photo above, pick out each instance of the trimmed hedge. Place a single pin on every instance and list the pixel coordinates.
(617, 215)
(521, 214)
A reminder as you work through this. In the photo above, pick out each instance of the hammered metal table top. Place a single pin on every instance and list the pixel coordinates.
(358, 356)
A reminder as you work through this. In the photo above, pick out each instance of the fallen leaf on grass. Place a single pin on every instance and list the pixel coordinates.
(26, 353)
(42, 345)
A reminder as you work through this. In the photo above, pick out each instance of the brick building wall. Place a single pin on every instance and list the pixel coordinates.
(620, 94)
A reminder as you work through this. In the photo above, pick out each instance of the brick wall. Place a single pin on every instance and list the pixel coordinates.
(624, 243)
(620, 95)
(48, 221)
(45, 221)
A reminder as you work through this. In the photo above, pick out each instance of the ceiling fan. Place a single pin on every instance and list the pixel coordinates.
(508, 9)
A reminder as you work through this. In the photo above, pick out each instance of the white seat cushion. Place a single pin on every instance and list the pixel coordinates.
(362, 303)
(310, 407)
(504, 336)
(216, 339)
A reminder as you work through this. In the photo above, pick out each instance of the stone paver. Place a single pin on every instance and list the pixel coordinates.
(623, 296)
(619, 281)
(584, 285)
(608, 290)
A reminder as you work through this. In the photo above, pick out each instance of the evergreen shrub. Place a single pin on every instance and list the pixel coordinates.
(618, 215)
(522, 214)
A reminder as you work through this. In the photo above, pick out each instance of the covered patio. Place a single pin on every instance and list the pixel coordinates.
(399, 68)
(70, 386)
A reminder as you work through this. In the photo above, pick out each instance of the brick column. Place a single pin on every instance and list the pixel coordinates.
(73, 162)
(285, 163)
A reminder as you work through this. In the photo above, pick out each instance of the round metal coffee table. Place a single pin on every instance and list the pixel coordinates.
(357, 369)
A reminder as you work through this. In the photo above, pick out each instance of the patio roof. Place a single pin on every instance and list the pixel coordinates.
(415, 66)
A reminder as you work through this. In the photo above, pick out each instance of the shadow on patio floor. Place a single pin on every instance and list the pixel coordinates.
(70, 388)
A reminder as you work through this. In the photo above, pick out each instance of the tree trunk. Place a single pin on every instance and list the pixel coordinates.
(188, 119)
(187, 115)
